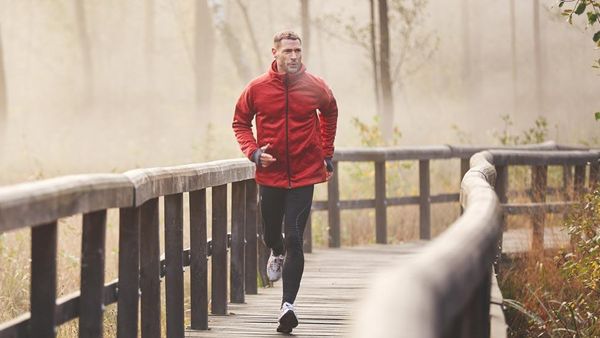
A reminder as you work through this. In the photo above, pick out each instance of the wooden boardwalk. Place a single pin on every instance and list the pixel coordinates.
(334, 280)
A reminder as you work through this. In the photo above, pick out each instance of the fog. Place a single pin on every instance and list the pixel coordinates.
(130, 100)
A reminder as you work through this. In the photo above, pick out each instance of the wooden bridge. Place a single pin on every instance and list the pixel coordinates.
(438, 288)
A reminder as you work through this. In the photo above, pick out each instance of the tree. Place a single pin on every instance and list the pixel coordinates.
(537, 59)
(84, 43)
(204, 55)
(305, 18)
(387, 99)
(3, 103)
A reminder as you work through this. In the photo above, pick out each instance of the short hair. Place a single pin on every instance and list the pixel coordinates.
(289, 35)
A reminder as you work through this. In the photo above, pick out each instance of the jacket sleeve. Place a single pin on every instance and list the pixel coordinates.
(242, 123)
(328, 121)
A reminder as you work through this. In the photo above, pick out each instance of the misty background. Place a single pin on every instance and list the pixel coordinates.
(107, 86)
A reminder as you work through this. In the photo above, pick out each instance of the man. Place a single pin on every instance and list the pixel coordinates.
(296, 117)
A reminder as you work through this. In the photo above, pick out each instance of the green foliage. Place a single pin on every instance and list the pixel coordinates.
(592, 10)
(597, 115)
(561, 297)
(535, 134)
(370, 135)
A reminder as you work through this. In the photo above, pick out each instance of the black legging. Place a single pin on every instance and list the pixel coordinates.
(292, 207)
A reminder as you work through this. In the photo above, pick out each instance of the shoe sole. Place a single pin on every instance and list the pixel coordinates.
(287, 322)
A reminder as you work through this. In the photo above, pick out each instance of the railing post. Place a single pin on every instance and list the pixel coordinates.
(263, 251)
(579, 180)
(333, 203)
(198, 258)
(43, 280)
(129, 272)
(307, 242)
(464, 167)
(219, 250)
(539, 181)
(502, 192)
(91, 302)
(380, 204)
(238, 215)
(424, 201)
(174, 264)
(251, 251)
(567, 181)
(594, 174)
(150, 269)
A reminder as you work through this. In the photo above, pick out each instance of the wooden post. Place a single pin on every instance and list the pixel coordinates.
(307, 243)
(263, 251)
(150, 269)
(380, 204)
(464, 167)
(579, 181)
(91, 301)
(42, 296)
(502, 192)
(333, 205)
(539, 181)
(424, 202)
(238, 218)
(219, 250)
(198, 264)
(567, 182)
(594, 174)
(129, 272)
(174, 264)
(251, 250)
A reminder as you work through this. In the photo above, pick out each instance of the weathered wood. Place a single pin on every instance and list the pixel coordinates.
(579, 181)
(41, 202)
(539, 158)
(43, 279)
(567, 186)
(238, 232)
(307, 242)
(263, 251)
(380, 204)
(539, 179)
(530, 208)
(129, 272)
(198, 258)
(594, 175)
(424, 203)
(174, 264)
(150, 269)
(91, 305)
(251, 249)
(219, 250)
(375, 154)
(501, 188)
(333, 199)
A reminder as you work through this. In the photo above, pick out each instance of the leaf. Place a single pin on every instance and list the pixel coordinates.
(561, 4)
(596, 37)
(592, 17)
(597, 114)
(580, 8)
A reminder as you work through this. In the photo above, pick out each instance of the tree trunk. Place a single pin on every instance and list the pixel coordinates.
(305, 15)
(374, 58)
(149, 45)
(513, 52)
(255, 47)
(3, 97)
(537, 59)
(466, 43)
(84, 44)
(387, 116)
(204, 53)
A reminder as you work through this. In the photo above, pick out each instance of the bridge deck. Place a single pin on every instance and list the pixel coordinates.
(333, 281)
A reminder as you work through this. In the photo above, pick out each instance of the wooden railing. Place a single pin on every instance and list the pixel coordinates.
(445, 290)
(39, 206)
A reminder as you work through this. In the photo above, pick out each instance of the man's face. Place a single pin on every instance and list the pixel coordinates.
(288, 56)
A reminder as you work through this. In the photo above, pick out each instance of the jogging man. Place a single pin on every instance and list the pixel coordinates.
(296, 118)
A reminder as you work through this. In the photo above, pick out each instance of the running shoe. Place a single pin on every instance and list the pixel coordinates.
(275, 267)
(287, 318)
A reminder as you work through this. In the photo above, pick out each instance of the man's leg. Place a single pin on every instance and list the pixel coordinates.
(297, 209)
(272, 203)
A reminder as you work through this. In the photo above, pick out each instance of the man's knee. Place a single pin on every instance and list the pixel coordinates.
(293, 243)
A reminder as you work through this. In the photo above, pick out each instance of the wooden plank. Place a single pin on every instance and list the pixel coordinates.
(174, 264)
(129, 271)
(43, 279)
(333, 198)
(219, 250)
(579, 181)
(150, 269)
(251, 249)
(263, 251)
(238, 232)
(380, 204)
(541, 158)
(567, 187)
(91, 304)
(444, 198)
(539, 179)
(198, 264)
(424, 203)
(529, 208)
(594, 175)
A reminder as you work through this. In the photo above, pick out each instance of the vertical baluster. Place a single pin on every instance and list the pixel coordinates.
(198, 257)
(263, 251)
(251, 240)
(502, 192)
(307, 243)
(91, 305)
(464, 167)
(43, 280)
(238, 218)
(174, 264)
(567, 182)
(424, 201)
(579, 180)
(150, 269)
(594, 174)
(129, 272)
(380, 204)
(219, 250)
(333, 206)
(539, 181)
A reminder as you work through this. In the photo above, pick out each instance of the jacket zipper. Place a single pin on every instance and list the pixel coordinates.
(287, 141)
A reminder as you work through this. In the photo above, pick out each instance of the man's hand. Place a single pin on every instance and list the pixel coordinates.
(328, 168)
(266, 159)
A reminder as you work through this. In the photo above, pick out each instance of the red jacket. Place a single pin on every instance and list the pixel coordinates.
(300, 138)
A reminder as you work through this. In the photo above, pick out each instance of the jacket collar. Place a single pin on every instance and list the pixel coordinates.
(282, 76)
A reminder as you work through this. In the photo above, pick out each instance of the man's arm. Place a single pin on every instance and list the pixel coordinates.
(328, 122)
(242, 124)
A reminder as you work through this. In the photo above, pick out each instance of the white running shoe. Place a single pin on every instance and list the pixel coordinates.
(287, 318)
(275, 267)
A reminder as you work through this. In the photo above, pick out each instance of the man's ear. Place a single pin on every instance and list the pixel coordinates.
(274, 52)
